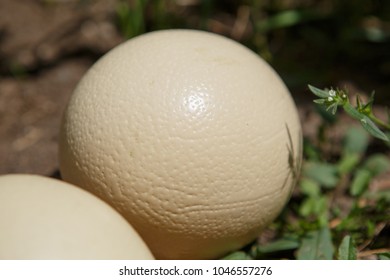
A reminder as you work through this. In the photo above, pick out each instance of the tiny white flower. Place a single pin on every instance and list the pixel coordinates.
(332, 92)
(330, 98)
(344, 96)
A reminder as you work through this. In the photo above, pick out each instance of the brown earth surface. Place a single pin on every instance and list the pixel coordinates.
(44, 51)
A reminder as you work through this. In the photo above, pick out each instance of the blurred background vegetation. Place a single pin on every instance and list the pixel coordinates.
(324, 42)
(321, 41)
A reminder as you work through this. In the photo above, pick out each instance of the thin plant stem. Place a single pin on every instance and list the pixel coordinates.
(379, 122)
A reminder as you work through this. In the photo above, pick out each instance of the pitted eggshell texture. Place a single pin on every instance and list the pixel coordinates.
(186, 134)
(44, 218)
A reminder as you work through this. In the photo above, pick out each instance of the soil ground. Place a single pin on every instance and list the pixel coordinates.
(44, 51)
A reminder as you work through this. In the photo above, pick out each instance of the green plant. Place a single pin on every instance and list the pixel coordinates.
(335, 213)
(332, 99)
(130, 19)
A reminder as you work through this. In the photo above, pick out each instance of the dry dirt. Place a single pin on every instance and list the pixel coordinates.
(45, 48)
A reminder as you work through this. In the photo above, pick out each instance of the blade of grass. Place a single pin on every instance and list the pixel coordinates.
(360, 182)
(316, 245)
(347, 249)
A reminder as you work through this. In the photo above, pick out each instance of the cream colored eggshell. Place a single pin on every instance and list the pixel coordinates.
(44, 218)
(186, 133)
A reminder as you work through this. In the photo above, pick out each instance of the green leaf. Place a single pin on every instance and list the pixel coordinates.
(377, 164)
(323, 173)
(348, 162)
(356, 141)
(283, 244)
(367, 108)
(332, 108)
(365, 121)
(316, 245)
(360, 182)
(347, 249)
(316, 206)
(239, 255)
(350, 110)
(319, 101)
(307, 207)
(319, 92)
(384, 256)
(286, 18)
(371, 127)
(309, 187)
(388, 136)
